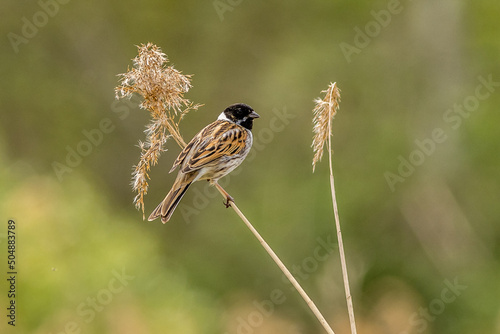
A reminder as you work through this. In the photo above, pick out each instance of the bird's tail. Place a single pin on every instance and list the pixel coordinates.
(166, 208)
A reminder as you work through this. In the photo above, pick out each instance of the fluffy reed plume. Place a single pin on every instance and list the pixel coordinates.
(323, 113)
(162, 88)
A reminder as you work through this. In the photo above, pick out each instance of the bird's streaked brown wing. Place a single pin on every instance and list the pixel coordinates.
(221, 138)
(185, 151)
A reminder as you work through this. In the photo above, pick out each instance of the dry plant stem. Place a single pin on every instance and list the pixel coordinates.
(345, 277)
(178, 139)
(162, 88)
(280, 264)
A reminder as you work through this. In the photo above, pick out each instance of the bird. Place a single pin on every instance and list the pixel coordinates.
(213, 153)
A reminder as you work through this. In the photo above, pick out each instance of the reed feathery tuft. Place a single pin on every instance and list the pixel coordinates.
(162, 88)
(323, 113)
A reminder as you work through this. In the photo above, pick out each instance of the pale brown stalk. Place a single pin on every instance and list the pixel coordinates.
(324, 112)
(162, 88)
(283, 268)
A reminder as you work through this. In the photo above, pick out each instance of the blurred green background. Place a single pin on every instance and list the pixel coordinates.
(419, 211)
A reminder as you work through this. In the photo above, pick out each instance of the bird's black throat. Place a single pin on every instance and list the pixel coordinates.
(247, 123)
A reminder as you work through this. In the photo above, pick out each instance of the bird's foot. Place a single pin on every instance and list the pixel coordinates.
(228, 201)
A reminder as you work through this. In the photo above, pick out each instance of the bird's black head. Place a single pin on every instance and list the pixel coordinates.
(241, 114)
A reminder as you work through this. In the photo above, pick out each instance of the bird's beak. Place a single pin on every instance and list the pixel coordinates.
(253, 114)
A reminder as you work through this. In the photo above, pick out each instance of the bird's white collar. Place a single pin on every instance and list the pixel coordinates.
(223, 117)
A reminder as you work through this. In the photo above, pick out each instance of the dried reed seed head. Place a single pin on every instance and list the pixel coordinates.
(162, 88)
(323, 112)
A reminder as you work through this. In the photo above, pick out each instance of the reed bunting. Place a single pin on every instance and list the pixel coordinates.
(213, 153)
